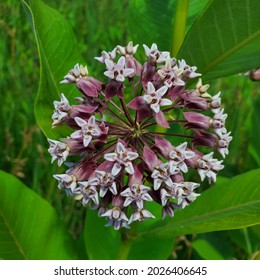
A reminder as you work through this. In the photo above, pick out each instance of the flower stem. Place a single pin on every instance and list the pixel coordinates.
(170, 134)
(126, 111)
(124, 248)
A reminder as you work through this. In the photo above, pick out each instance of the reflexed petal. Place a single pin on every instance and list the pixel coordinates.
(162, 90)
(155, 108)
(116, 169)
(132, 155)
(128, 71)
(120, 148)
(128, 201)
(147, 214)
(165, 102)
(202, 174)
(140, 204)
(183, 167)
(157, 183)
(110, 157)
(150, 88)
(92, 121)
(103, 192)
(80, 122)
(121, 62)
(86, 140)
(113, 188)
(76, 134)
(169, 183)
(109, 64)
(129, 168)
(120, 78)
(147, 98)
(109, 74)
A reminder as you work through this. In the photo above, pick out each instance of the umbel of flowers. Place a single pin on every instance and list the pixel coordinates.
(122, 160)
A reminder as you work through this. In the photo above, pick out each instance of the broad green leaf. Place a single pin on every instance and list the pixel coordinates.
(150, 249)
(206, 250)
(153, 21)
(58, 53)
(29, 226)
(214, 246)
(229, 205)
(102, 243)
(224, 39)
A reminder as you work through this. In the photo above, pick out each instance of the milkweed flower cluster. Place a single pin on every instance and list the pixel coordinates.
(122, 161)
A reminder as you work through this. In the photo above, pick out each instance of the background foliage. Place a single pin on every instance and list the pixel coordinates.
(77, 31)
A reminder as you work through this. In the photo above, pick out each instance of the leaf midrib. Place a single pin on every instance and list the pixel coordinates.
(209, 216)
(19, 247)
(229, 52)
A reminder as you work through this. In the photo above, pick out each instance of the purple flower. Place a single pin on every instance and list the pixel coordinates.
(154, 97)
(154, 55)
(140, 215)
(61, 112)
(107, 55)
(87, 192)
(188, 195)
(117, 71)
(130, 61)
(122, 159)
(58, 150)
(87, 85)
(208, 166)
(89, 129)
(188, 72)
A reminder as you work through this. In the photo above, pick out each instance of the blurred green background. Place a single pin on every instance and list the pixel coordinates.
(24, 147)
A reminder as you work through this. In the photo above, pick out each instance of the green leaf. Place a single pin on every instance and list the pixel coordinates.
(102, 243)
(150, 249)
(229, 205)
(155, 20)
(206, 250)
(254, 147)
(224, 39)
(213, 246)
(29, 227)
(58, 53)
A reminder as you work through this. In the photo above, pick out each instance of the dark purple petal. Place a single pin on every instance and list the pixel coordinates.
(131, 62)
(137, 177)
(161, 120)
(137, 103)
(196, 120)
(150, 158)
(205, 139)
(114, 88)
(175, 92)
(87, 87)
(163, 145)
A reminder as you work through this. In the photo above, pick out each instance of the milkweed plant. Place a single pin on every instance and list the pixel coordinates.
(137, 133)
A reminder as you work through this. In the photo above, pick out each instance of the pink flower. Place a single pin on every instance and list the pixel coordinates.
(88, 130)
(122, 159)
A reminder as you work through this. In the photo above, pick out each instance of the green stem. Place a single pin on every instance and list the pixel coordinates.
(179, 25)
(124, 248)
(247, 239)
